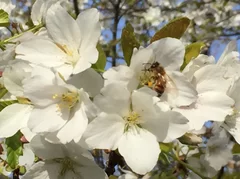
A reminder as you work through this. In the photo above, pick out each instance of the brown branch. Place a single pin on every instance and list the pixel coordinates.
(75, 4)
(114, 159)
(220, 173)
(114, 32)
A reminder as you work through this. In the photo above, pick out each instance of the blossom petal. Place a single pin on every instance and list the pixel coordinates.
(46, 150)
(75, 127)
(211, 78)
(140, 58)
(67, 34)
(140, 150)
(41, 52)
(179, 91)
(169, 52)
(128, 176)
(90, 108)
(143, 103)
(87, 58)
(229, 56)
(105, 131)
(89, 80)
(47, 119)
(232, 125)
(196, 64)
(41, 95)
(178, 126)
(121, 74)
(110, 102)
(13, 77)
(65, 70)
(234, 94)
(13, 118)
(214, 106)
(39, 10)
(157, 125)
(28, 134)
(89, 172)
(28, 157)
(44, 170)
(90, 29)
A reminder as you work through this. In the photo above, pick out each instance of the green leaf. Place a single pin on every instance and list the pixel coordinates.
(174, 29)
(22, 170)
(129, 42)
(236, 149)
(102, 59)
(191, 52)
(226, 175)
(166, 147)
(164, 158)
(3, 91)
(4, 104)
(4, 20)
(14, 150)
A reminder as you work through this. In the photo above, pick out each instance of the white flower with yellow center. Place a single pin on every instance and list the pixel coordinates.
(71, 47)
(15, 116)
(214, 84)
(158, 67)
(59, 109)
(212, 101)
(134, 124)
(68, 161)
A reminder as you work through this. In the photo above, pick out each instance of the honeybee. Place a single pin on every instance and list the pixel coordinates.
(158, 81)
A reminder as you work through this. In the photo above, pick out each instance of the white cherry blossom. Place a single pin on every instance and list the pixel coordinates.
(15, 116)
(39, 10)
(132, 122)
(158, 67)
(212, 83)
(13, 77)
(218, 151)
(71, 48)
(59, 109)
(28, 157)
(62, 161)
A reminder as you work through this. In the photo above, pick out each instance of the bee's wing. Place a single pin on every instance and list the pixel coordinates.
(146, 66)
(170, 85)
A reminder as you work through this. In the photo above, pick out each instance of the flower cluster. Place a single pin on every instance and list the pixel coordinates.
(64, 107)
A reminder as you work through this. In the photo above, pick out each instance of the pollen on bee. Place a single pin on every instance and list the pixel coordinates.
(150, 83)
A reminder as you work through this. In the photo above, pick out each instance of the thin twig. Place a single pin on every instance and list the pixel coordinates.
(220, 173)
(75, 4)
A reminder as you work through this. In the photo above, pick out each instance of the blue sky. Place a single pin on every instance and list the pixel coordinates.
(216, 48)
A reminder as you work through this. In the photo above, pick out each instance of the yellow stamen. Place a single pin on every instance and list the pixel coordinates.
(55, 96)
(133, 119)
(67, 100)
